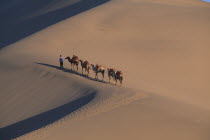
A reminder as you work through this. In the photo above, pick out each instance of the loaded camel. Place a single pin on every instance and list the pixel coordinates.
(111, 74)
(85, 65)
(118, 76)
(98, 69)
(74, 61)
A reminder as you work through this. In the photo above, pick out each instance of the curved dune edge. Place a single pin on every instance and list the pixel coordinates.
(90, 98)
(101, 103)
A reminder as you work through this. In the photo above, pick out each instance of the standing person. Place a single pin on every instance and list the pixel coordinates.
(61, 61)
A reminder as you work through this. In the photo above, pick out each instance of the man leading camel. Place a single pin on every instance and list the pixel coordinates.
(61, 61)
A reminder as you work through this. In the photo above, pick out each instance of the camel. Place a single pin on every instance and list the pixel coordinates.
(118, 76)
(111, 74)
(98, 69)
(85, 65)
(74, 61)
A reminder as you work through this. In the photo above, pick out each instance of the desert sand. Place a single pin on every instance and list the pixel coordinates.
(161, 46)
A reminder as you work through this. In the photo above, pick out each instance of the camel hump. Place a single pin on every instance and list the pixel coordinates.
(119, 73)
(97, 66)
(75, 58)
(86, 63)
(111, 70)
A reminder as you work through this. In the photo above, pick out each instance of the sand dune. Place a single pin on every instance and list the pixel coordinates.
(161, 46)
(23, 18)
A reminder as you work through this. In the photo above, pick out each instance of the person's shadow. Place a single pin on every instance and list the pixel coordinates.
(70, 71)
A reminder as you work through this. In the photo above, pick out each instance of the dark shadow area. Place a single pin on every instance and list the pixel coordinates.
(43, 119)
(14, 26)
(70, 71)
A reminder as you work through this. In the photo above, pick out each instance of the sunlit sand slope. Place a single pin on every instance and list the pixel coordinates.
(162, 47)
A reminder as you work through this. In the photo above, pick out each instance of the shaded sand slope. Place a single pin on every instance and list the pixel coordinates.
(36, 91)
(38, 98)
(163, 49)
(21, 18)
(41, 94)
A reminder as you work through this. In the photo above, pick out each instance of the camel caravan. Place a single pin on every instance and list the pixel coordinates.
(113, 74)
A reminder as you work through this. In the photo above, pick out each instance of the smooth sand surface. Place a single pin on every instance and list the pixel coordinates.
(161, 46)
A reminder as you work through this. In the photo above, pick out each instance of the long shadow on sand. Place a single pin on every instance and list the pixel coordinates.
(43, 119)
(19, 18)
(70, 71)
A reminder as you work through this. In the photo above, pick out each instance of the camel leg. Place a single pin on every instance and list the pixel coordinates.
(114, 80)
(72, 67)
(87, 72)
(103, 76)
(96, 75)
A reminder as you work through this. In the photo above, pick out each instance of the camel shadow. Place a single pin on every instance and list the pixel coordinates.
(21, 18)
(71, 71)
(33, 123)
